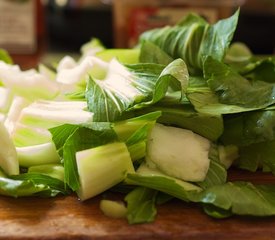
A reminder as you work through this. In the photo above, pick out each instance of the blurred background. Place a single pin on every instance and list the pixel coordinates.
(39, 28)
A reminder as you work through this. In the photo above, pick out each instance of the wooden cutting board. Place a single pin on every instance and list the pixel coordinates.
(68, 218)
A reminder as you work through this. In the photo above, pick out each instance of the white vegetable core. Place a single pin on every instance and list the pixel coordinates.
(179, 152)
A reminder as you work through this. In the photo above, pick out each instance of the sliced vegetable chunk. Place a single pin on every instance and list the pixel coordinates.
(101, 168)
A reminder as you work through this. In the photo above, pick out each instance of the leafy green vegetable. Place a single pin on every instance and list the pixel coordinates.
(81, 139)
(100, 168)
(238, 56)
(26, 135)
(70, 139)
(37, 154)
(52, 170)
(262, 70)
(6, 99)
(119, 91)
(48, 114)
(137, 142)
(247, 128)
(232, 88)
(29, 84)
(257, 155)
(131, 87)
(151, 53)
(31, 184)
(228, 154)
(242, 198)
(134, 133)
(154, 179)
(125, 56)
(8, 155)
(141, 205)
(217, 173)
(254, 133)
(126, 128)
(60, 134)
(253, 67)
(238, 52)
(184, 116)
(193, 39)
(113, 209)
(97, 122)
(178, 152)
(206, 101)
(137, 150)
(216, 212)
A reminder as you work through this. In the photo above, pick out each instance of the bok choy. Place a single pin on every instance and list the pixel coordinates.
(166, 119)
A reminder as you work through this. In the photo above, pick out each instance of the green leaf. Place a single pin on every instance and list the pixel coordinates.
(141, 205)
(206, 101)
(217, 173)
(151, 53)
(256, 155)
(193, 39)
(139, 135)
(31, 184)
(191, 19)
(238, 52)
(247, 128)
(233, 89)
(134, 133)
(163, 198)
(60, 134)
(238, 56)
(137, 151)
(262, 70)
(126, 128)
(123, 55)
(216, 212)
(136, 143)
(242, 198)
(154, 179)
(54, 184)
(52, 170)
(121, 90)
(69, 139)
(184, 116)
(128, 88)
(178, 78)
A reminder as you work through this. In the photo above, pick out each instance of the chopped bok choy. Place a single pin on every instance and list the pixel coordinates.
(166, 119)
(8, 156)
(179, 153)
(112, 161)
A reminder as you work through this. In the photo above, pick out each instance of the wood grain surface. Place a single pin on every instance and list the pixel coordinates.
(69, 218)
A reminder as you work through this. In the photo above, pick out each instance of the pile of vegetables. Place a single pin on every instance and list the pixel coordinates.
(163, 120)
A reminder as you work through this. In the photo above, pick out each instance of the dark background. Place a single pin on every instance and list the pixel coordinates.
(69, 27)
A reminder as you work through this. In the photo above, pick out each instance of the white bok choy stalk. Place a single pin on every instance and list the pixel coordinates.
(178, 152)
(37, 154)
(31, 135)
(5, 99)
(8, 156)
(102, 167)
(13, 114)
(72, 76)
(47, 114)
(29, 84)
